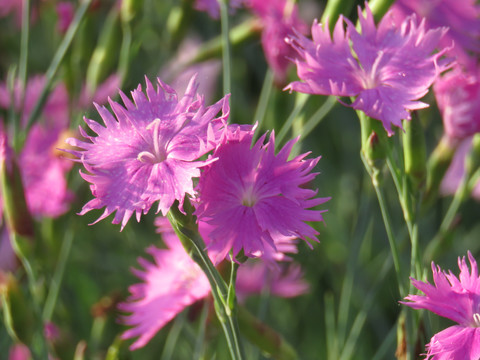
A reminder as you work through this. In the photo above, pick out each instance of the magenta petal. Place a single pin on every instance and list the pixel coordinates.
(148, 151)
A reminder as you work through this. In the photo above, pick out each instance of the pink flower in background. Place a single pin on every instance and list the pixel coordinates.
(279, 19)
(101, 94)
(458, 98)
(174, 281)
(150, 151)
(282, 281)
(462, 17)
(65, 12)
(43, 170)
(170, 284)
(213, 8)
(55, 112)
(255, 199)
(456, 171)
(179, 70)
(8, 259)
(393, 66)
(19, 352)
(455, 298)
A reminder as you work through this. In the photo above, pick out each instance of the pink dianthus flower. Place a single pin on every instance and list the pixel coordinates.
(175, 281)
(458, 98)
(462, 17)
(455, 298)
(170, 284)
(279, 19)
(254, 199)
(150, 151)
(392, 67)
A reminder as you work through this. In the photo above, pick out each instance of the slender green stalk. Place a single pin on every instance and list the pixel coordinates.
(186, 229)
(226, 58)
(125, 51)
(22, 68)
(56, 61)
(318, 116)
(300, 101)
(41, 345)
(259, 116)
(172, 337)
(58, 275)
(386, 220)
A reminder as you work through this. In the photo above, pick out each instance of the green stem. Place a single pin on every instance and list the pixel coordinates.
(42, 348)
(56, 61)
(186, 229)
(225, 47)
(22, 68)
(374, 174)
(58, 275)
(318, 116)
(259, 116)
(300, 101)
(125, 51)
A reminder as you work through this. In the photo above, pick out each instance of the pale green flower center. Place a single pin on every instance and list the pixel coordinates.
(249, 198)
(158, 153)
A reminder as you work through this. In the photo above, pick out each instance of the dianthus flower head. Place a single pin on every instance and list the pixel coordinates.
(150, 151)
(253, 198)
(455, 298)
(279, 19)
(458, 98)
(462, 17)
(392, 67)
(170, 284)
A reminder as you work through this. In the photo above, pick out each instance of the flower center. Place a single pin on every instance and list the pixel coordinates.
(249, 199)
(371, 79)
(476, 320)
(158, 154)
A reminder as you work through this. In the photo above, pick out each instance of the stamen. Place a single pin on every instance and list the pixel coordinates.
(158, 154)
(476, 320)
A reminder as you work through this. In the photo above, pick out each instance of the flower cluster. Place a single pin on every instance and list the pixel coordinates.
(455, 298)
(386, 68)
(174, 281)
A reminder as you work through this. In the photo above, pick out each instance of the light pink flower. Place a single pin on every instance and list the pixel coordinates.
(283, 281)
(213, 8)
(255, 199)
(456, 171)
(462, 17)
(43, 170)
(455, 298)
(392, 68)
(150, 151)
(170, 284)
(101, 94)
(55, 112)
(458, 98)
(8, 259)
(279, 19)
(19, 352)
(65, 12)
(174, 282)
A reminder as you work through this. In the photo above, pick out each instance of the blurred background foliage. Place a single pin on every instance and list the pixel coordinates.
(352, 308)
